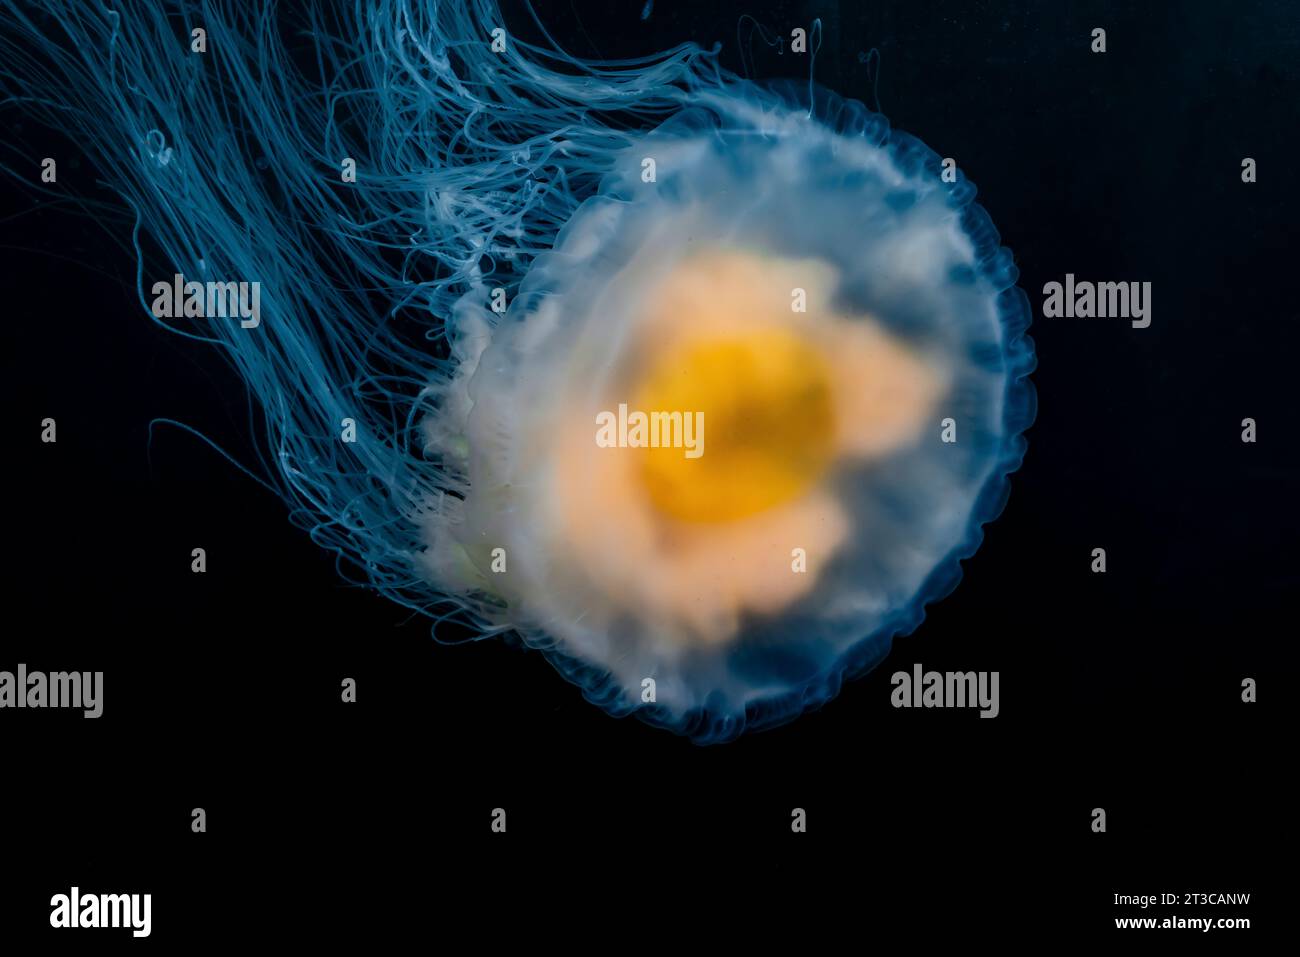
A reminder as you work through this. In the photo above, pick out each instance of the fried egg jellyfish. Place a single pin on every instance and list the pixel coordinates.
(776, 267)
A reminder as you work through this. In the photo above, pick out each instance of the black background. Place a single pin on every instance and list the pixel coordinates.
(1119, 691)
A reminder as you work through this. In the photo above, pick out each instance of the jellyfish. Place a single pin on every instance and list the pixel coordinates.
(701, 387)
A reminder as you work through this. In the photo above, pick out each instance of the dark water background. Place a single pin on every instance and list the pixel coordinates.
(1119, 691)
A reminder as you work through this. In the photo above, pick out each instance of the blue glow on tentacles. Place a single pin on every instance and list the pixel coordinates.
(522, 170)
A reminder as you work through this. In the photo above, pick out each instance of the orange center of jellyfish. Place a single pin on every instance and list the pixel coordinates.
(768, 425)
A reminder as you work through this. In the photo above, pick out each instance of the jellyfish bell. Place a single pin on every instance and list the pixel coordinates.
(814, 299)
